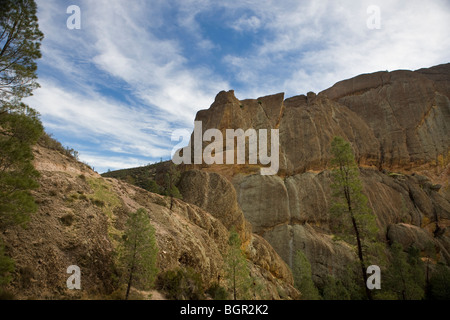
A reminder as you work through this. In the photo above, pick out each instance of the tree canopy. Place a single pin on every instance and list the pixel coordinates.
(236, 268)
(138, 252)
(301, 270)
(350, 215)
(20, 128)
(20, 40)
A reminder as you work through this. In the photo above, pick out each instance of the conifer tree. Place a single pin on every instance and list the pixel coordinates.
(351, 218)
(301, 270)
(417, 271)
(20, 40)
(430, 255)
(405, 275)
(334, 289)
(236, 268)
(138, 252)
(20, 128)
(171, 178)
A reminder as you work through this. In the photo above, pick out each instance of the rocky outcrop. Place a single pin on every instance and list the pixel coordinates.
(398, 125)
(214, 193)
(306, 131)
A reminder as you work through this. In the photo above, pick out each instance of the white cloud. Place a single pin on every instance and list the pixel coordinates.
(115, 125)
(245, 23)
(123, 83)
(313, 44)
(116, 49)
(154, 68)
(103, 163)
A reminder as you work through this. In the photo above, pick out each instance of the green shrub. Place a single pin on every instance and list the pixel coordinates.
(217, 292)
(440, 283)
(181, 284)
(7, 266)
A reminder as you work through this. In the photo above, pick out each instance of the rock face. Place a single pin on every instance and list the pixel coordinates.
(407, 111)
(399, 126)
(214, 193)
(395, 120)
(292, 214)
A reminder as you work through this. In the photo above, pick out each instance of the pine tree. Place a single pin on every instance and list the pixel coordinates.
(171, 178)
(236, 268)
(301, 270)
(405, 276)
(20, 40)
(350, 215)
(344, 286)
(20, 128)
(138, 252)
(417, 271)
(334, 289)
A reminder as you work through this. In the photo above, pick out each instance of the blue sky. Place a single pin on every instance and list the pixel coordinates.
(137, 70)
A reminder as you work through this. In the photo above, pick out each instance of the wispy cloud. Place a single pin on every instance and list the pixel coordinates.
(310, 45)
(137, 70)
(115, 85)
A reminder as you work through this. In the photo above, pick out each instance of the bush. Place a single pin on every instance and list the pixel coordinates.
(440, 283)
(7, 267)
(181, 284)
(217, 292)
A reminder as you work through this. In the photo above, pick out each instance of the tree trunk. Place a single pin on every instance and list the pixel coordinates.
(133, 264)
(361, 259)
(358, 238)
(129, 285)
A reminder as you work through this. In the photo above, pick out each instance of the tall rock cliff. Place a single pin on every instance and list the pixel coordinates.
(398, 124)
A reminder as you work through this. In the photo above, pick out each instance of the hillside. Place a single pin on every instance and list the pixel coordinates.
(80, 221)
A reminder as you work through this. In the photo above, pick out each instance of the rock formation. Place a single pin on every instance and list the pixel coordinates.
(399, 126)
